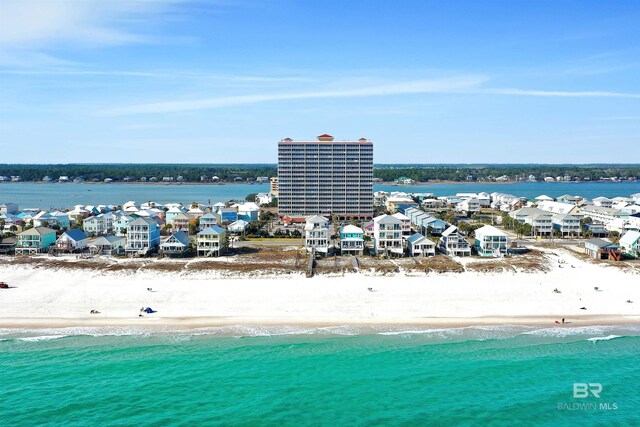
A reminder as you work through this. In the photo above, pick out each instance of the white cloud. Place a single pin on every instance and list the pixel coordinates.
(451, 85)
(29, 27)
(457, 85)
(576, 94)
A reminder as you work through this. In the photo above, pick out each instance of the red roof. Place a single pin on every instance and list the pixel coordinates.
(325, 135)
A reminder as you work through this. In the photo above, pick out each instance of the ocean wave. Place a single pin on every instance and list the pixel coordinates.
(607, 338)
(41, 338)
(468, 333)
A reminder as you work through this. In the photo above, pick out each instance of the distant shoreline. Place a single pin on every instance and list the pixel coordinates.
(421, 183)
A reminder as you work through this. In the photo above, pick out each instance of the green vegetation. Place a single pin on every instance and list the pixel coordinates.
(244, 172)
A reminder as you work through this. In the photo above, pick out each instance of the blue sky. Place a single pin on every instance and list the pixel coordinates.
(223, 81)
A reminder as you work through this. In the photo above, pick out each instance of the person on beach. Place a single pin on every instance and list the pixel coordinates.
(563, 320)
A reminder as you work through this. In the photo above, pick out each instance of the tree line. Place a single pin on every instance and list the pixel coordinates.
(232, 172)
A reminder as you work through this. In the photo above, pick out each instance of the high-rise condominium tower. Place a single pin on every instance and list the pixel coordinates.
(326, 177)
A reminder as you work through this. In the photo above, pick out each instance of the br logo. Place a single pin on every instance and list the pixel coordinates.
(582, 390)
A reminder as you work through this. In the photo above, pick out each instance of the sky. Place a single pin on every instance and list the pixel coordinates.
(221, 81)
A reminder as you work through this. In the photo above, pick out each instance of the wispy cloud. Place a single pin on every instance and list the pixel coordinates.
(616, 118)
(66, 71)
(28, 28)
(418, 86)
(552, 93)
(456, 85)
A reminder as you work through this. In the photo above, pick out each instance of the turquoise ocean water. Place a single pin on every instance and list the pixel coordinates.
(502, 375)
(47, 196)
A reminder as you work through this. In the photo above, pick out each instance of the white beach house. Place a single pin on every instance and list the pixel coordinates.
(420, 246)
(490, 241)
(107, 245)
(454, 243)
(387, 235)
(316, 234)
(72, 240)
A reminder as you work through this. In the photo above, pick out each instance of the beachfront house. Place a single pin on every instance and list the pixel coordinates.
(567, 225)
(208, 220)
(211, 241)
(490, 241)
(420, 246)
(72, 241)
(351, 240)
(387, 236)
(601, 249)
(175, 245)
(8, 245)
(35, 240)
(316, 234)
(95, 225)
(107, 245)
(406, 224)
(454, 243)
(630, 243)
(143, 236)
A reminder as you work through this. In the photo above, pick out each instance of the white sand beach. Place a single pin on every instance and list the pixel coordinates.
(45, 297)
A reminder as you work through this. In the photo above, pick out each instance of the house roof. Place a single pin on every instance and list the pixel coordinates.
(37, 231)
(143, 221)
(630, 237)
(449, 231)
(213, 230)
(208, 216)
(386, 219)
(106, 240)
(599, 243)
(317, 219)
(350, 228)
(489, 230)
(417, 237)
(180, 237)
(181, 216)
(76, 234)
(400, 216)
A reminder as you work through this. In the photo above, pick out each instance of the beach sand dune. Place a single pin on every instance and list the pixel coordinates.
(45, 297)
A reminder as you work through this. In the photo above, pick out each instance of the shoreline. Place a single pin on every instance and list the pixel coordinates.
(389, 183)
(193, 323)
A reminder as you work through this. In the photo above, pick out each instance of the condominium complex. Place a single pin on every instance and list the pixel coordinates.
(326, 177)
